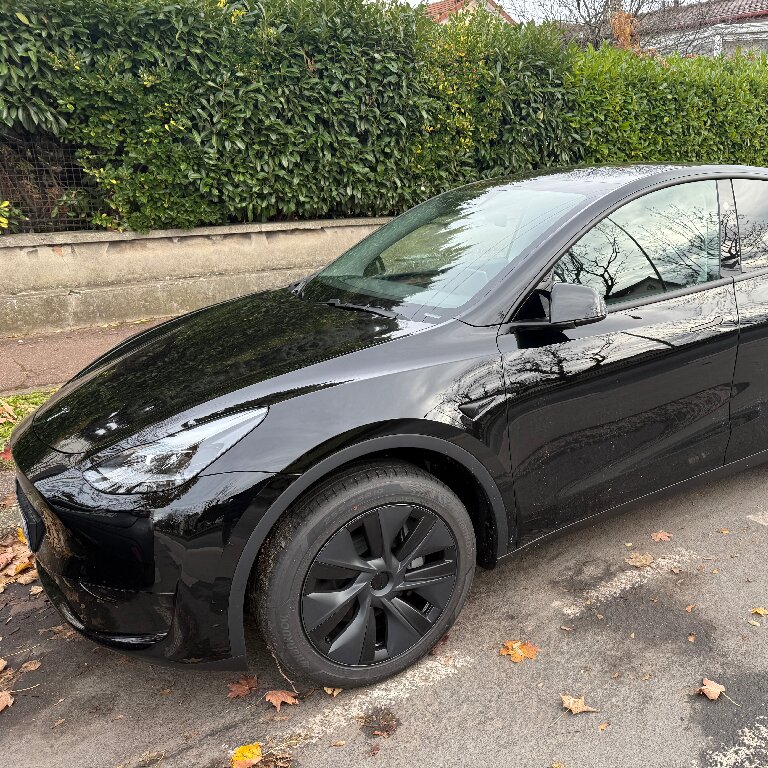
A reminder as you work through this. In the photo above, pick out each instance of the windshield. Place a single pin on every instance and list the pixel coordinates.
(442, 253)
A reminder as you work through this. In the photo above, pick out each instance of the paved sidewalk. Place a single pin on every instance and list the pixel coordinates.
(39, 362)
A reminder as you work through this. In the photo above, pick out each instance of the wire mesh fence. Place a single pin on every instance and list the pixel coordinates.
(43, 188)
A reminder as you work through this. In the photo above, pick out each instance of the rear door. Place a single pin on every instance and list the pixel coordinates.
(605, 413)
(750, 384)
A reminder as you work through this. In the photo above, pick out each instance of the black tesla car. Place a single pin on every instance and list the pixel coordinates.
(500, 363)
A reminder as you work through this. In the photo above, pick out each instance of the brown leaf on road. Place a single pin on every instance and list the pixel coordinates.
(278, 698)
(692, 637)
(661, 536)
(333, 691)
(638, 560)
(723, 531)
(8, 501)
(247, 755)
(711, 689)
(29, 666)
(575, 705)
(602, 727)
(689, 608)
(242, 687)
(759, 611)
(35, 590)
(517, 650)
(3, 664)
(5, 700)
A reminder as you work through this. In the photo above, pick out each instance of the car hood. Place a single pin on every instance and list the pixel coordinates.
(195, 361)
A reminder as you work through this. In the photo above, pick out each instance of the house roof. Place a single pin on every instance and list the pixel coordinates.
(706, 14)
(442, 9)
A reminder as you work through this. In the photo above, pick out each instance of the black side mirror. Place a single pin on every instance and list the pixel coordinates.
(571, 305)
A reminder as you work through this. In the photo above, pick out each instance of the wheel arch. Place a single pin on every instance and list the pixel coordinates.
(459, 469)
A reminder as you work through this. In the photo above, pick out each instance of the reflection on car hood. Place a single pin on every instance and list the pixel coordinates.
(201, 357)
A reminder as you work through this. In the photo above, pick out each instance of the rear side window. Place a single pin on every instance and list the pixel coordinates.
(752, 215)
(663, 241)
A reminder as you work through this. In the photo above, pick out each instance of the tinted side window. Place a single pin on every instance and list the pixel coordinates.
(752, 212)
(663, 241)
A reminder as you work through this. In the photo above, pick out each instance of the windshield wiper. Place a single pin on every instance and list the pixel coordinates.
(359, 308)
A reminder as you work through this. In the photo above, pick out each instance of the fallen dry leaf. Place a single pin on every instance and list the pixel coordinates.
(602, 726)
(753, 622)
(692, 637)
(711, 689)
(558, 765)
(675, 569)
(661, 536)
(333, 691)
(575, 705)
(247, 755)
(689, 608)
(759, 611)
(715, 570)
(638, 560)
(3, 664)
(339, 743)
(29, 666)
(8, 501)
(278, 698)
(566, 628)
(59, 722)
(5, 700)
(518, 650)
(380, 722)
(35, 590)
(242, 687)
(724, 531)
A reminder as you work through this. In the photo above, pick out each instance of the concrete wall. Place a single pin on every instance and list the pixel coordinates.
(61, 281)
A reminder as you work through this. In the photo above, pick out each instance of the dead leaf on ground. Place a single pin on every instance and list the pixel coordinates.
(3, 664)
(689, 608)
(247, 755)
(566, 628)
(5, 700)
(35, 590)
(517, 650)
(575, 705)
(278, 698)
(29, 666)
(333, 691)
(242, 687)
(753, 622)
(59, 722)
(8, 501)
(638, 560)
(339, 743)
(723, 531)
(603, 726)
(711, 689)
(759, 611)
(661, 536)
(380, 722)
(692, 637)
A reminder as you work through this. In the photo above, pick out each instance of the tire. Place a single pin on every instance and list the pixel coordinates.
(345, 617)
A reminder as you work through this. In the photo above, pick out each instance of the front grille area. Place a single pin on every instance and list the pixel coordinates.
(35, 528)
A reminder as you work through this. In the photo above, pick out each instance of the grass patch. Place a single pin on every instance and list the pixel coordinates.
(14, 408)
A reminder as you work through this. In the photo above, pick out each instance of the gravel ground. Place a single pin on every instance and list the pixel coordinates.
(616, 634)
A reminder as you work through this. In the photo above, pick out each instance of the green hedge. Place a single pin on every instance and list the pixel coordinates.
(201, 112)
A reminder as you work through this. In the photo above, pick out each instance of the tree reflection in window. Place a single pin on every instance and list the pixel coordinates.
(752, 208)
(666, 240)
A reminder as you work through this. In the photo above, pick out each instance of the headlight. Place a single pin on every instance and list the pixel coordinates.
(172, 460)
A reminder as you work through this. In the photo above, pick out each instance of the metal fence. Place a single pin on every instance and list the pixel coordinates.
(45, 186)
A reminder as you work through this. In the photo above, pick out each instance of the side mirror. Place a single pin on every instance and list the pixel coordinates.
(571, 305)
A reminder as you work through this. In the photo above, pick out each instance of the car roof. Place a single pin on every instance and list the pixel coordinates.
(598, 180)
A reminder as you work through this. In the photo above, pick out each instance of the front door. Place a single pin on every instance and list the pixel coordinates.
(606, 413)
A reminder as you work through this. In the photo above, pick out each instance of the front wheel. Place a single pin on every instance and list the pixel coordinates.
(364, 576)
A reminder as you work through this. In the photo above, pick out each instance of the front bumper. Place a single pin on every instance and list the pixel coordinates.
(153, 580)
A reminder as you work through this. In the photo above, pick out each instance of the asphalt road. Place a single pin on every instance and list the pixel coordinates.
(627, 652)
